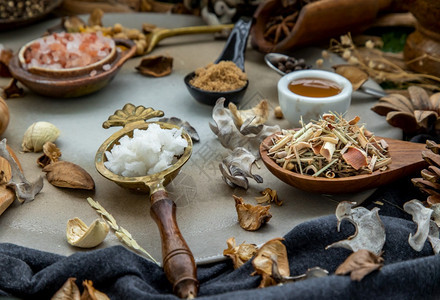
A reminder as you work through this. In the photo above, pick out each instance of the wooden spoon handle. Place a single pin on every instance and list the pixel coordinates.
(178, 261)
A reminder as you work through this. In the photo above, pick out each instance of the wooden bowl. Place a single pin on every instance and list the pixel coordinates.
(67, 85)
(406, 159)
(64, 73)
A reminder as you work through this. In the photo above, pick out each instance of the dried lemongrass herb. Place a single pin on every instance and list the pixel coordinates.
(68, 175)
(370, 231)
(156, 66)
(24, 190)
(269, 196)
(251, 217)
(359, 264)
(122, 234)
(422, 217)
(330, 147)
(257, 114)
(272, 251)
(12, 90)
(231, 137)
(239, 254)
(51, 154)
(381, 66)
(237, 166)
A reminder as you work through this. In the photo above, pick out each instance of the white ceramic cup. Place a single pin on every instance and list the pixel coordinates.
(310, 108)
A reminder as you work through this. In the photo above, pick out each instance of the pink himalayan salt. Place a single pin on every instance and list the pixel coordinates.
(68, 50)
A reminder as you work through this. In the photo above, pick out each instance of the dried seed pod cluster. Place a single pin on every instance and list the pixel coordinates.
(330, 147)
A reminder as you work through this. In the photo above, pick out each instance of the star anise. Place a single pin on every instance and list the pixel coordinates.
(280, 27)
(420, 113)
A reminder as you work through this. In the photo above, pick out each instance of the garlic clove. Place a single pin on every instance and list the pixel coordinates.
(37, 135)
(80, 235)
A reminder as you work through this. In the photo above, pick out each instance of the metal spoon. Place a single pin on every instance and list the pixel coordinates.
(234, 51)
(271, 59)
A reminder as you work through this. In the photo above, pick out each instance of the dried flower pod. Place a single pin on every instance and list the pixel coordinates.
(37, 135)
(272, 251)
(258, 114)
(80, 235)
(68, 175)
(359, 264)
(239, 254)
(91, 293)
(269, 196)
(251, 217)
(69, 290)
(51, 154)
(156, 66)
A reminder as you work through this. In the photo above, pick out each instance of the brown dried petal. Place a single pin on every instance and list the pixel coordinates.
(239, 254)
(425, 184)
(90, 293)
(5, 57)
(355, 75)
(273, 250)
(68, 175)
(435, 102)
(406, 121)
(269, 196)
(156, 66)
(433, 199)
(355, 158)
(360, 264)
(383, 108)
(69, 291)
(51, 154)
(251, 217)
(425, 118)
(12, 90)
(431, 158)
(258, 113)
(95, 18)
(401, 102)
(419, 98)
(433, 146)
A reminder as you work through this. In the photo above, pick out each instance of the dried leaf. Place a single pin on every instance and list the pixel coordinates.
(257, 114)
(231, 137)
(185, 125)
(24, 190)
(156, 66)
(5, 57)
(90, 293)
(51, 154)
(360, 264)
(68, 175)
(370, 231)
(69, 291)
(12, 90)
(273, 250)
(237, 166)
(355, 75)
(239, 254)
(269, 196)
(251, 217)
(421, 216)
(401, 102)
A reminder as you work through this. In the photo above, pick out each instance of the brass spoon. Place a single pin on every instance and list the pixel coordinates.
(159, 34)
(178, 261)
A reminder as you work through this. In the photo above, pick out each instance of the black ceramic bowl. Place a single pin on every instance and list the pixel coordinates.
(210, 98)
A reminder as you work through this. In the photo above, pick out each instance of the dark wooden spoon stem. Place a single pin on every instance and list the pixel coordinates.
(178, 261)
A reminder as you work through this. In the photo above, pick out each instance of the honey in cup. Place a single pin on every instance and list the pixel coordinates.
(314, 87)
(307, 94)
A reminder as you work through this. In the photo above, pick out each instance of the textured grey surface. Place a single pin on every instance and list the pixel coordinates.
(205, 208)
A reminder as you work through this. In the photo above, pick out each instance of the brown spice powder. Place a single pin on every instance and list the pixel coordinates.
(221, 77)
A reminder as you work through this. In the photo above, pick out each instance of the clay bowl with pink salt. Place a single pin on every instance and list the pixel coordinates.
(70, 65)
